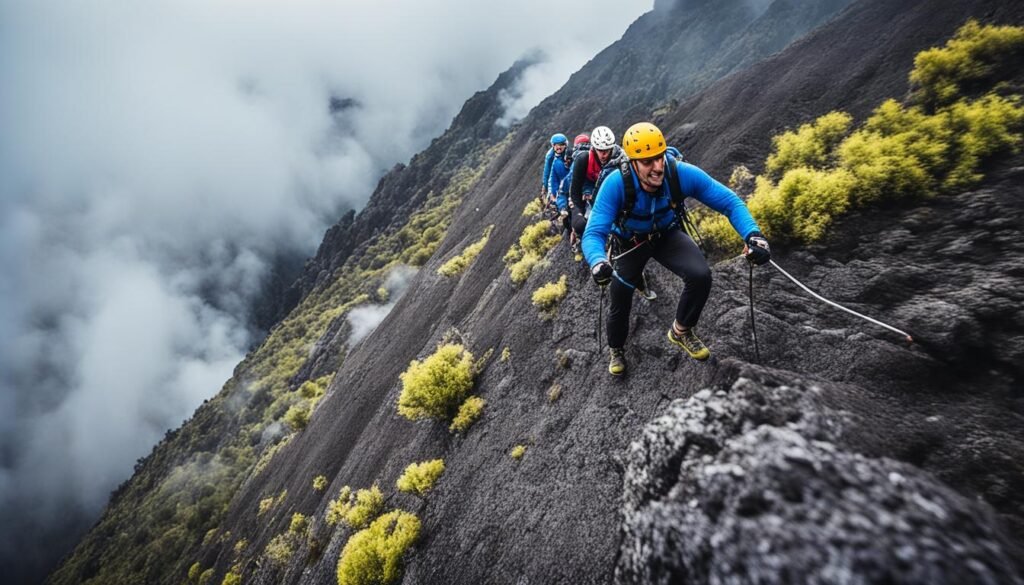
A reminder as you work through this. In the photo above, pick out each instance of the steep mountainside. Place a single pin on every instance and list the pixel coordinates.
(876, 432)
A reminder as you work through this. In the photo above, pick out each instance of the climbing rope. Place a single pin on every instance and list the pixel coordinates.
(600, 310)
(823, 299)
(753, 329)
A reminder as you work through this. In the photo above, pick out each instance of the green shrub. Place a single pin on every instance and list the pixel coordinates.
(280, 549)
(297, 416)
(517, 452)
(240, 546)
(982, 128)
(320, 483)
(299, 524)
(436, 386)
(555, 392)
(459, 263)
(547, 297)
(506, 354)
(809, 146)
(355, 509)
(534, 243)
(193, 572)
(206, 576)
(265, 505)
(975, 53)
(470, 410)
(232, 578)
(419, 478)
(374, 555)
(533, 208)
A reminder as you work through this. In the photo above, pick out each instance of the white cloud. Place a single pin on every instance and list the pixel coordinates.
(156, 154)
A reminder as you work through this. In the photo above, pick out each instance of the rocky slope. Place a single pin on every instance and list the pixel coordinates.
(931, 432)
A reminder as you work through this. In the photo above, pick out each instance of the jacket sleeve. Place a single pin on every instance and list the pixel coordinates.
(606, 209)
(555, 176)
(699, 185)
(579, 176)
(548, 158)
(562, 191)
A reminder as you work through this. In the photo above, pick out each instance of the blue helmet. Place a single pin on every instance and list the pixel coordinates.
(559, 139)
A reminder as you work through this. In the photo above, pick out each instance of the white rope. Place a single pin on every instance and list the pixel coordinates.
(838, 306)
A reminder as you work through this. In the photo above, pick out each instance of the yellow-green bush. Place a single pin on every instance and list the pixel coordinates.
(555, 392)
(517, 452)
(374, 555)
(534, 243)
(193, 572)
(240, 546)
(419, 478)
(900, 152)
(280, 549)
(470, 410)
(459, 263)
(974, 54)
(355, 509)
(232, 579)
(810, 146)
(206, 576)
(299, 524)
(506, 354)
(297, 416)
(320, 483)
(547, 297)
(436, 386)
(265, 505)
(534, 207)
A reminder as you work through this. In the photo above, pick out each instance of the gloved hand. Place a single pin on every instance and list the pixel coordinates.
(758, 251)
(602, 273)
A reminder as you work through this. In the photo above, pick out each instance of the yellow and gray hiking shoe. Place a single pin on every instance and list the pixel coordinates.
(689, 342)
(617, 363)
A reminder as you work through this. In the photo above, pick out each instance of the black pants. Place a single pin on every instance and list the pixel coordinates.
(673, 250)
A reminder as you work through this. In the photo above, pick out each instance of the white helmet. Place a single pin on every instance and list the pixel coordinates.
(602, 138)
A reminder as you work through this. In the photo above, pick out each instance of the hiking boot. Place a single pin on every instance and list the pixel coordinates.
(617, 363)
(689, 342)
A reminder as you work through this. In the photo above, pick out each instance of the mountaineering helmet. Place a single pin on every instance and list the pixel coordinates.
(643, 140)
(581, 139)
(559, 139)
(602, 138)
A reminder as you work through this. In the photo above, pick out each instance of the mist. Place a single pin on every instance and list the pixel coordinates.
(156, 156)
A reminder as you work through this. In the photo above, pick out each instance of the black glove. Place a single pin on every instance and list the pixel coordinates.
(758, 251)
(602, 273)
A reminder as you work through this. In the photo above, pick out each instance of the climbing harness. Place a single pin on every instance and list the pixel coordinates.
(906, 335)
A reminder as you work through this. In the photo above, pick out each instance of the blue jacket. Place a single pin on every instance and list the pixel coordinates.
(548, 158)
(653, 212)
(559, 172)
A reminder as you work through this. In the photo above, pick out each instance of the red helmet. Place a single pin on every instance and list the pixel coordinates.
(580, 139)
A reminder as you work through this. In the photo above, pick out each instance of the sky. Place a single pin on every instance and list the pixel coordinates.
(155, 155)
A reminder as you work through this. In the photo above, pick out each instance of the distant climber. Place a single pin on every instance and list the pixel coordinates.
(584, 172)
(641, 210)
(558, 145)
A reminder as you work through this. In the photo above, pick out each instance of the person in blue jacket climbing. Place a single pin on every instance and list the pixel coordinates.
(558, 145)
(638, 207)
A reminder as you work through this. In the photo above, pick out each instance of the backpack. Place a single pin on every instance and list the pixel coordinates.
(676, 199)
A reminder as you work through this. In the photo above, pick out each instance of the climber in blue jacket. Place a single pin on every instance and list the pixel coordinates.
(558, 145)
(651, 229)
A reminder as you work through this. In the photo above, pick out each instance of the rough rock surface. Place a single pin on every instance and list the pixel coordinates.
(755, 485)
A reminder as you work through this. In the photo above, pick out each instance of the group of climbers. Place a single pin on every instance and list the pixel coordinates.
(624, 206)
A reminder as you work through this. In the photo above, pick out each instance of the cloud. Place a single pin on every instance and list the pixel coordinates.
(156, 156)
(365, 318)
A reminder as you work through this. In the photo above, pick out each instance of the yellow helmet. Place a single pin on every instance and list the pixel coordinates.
(643, 140)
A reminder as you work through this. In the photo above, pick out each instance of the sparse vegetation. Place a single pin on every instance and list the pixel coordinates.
(459, 263)
(506, 354)
(547, 297)
(320, 483)
(533, 208)
(299, 524)
(468, 413)
(823, 170)
(562, 359)
(193, 572)
(517, 452)
(280, 549)
(374, 555)
(355, 509)
(435, 387)
(534, 243)
(232, 578)
(555, 392)
(419, 478)
(206, 576)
